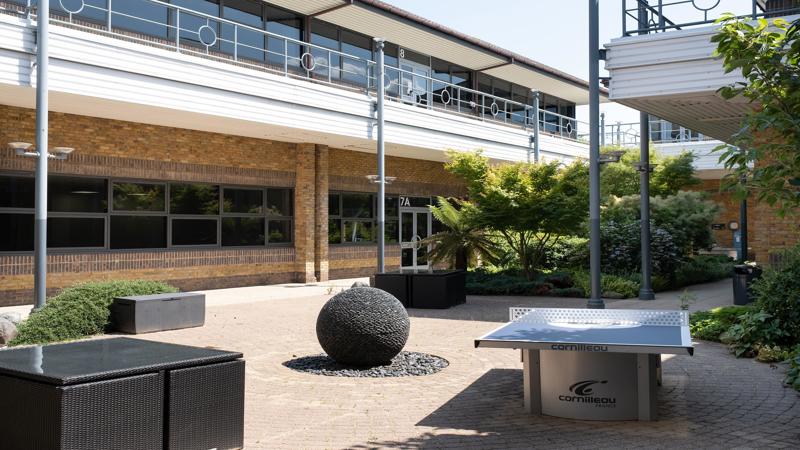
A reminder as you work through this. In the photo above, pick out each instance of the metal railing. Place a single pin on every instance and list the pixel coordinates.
(160, 24)
(654, 16)
(661, 132)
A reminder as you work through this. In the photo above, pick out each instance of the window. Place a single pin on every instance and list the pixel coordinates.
(141, 16)
(143, 215)
(138, 197)
(194, 199)
(288, 24)
(326, 64)
(355, 70)
(352, 218)
(250, 44)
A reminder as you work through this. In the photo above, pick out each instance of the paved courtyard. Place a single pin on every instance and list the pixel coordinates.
(711, 400)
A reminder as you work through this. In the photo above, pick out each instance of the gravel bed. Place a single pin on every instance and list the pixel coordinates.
(405, 364)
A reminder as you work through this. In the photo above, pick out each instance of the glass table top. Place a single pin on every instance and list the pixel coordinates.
(100, 359)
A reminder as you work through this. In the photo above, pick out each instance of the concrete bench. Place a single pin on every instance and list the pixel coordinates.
(159, 312)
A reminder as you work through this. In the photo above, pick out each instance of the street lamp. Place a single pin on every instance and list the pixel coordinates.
(27, 150)
(595, 297)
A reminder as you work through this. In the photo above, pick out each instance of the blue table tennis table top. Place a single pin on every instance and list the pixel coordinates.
(622, 331)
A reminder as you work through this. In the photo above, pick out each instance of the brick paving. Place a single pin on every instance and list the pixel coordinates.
(711, 400)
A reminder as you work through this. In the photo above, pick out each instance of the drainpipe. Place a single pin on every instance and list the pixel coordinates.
(381, 86)
(40, 227)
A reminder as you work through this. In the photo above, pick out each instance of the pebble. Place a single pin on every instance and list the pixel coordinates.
(403, 365)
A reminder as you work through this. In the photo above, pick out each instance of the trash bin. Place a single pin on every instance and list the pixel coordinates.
(743, 277)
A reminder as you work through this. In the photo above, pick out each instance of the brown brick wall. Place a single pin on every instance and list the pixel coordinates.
(121, 149)
(766, 231)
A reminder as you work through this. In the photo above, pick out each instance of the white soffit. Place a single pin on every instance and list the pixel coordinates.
(373, 22)
(307, 7)
(536, 80)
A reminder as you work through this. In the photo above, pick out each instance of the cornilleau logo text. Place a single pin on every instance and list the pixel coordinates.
(580, 347)
(583, 394)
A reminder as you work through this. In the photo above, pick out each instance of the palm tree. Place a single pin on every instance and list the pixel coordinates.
(461, 243)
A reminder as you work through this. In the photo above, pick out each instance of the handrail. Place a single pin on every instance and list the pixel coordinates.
(661, 132)
(187, 31)
(654, 14)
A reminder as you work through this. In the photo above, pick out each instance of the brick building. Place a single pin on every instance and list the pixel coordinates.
(229, 142)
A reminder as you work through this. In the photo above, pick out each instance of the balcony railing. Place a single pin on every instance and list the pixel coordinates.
(661, 132)
(654, 16)
(163, 25)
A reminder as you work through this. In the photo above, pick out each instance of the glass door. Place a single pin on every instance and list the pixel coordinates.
(414, 79)
(415, 225)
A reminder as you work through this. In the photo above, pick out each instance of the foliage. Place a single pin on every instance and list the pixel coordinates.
(754, 329)
(81, 310)
(570, 292)
(686, 299)
(671, 174)
(461, 243)
(610, 285)
(772, 353)
(529, 205)
(506, 282)
(777, 292)
(686, 216)
(569, 252)
(620, 246)
(702, 269)
(767, 152)
(709, 325)
(793, 375)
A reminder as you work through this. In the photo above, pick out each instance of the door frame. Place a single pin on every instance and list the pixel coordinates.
(415, 211)
(413, 96)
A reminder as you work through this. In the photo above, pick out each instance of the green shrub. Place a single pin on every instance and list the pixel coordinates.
(777, 293)
(772, 353)
(710, 325)
(702, 269)
(609, 284)
(505, 282)
(754, 329)
(572, 292)
(620, 247)
(569, 252)
(81, 310)
(793, 375)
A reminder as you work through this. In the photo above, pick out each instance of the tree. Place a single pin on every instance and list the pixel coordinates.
(671, 174)
(767, 160)
(529, 205)
(461, 243)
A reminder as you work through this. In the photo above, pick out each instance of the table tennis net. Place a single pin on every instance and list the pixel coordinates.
(598, 316)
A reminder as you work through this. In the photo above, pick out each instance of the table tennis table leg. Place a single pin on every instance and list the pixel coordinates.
(532, 383)
(647, 382)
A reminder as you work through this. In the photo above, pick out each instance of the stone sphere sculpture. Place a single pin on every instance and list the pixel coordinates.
(363, 327)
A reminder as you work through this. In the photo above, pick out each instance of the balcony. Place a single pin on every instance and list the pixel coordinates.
(144, 64)
(664, 62)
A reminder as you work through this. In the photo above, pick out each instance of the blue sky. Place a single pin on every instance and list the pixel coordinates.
(554, 32)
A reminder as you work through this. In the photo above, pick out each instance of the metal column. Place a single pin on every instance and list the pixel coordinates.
(381, 87)
(40, 226)
(646, 289)
(536, 106)
(595, 299)
(743, 227)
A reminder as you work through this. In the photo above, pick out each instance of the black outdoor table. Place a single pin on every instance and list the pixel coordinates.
(121, 393)
(425, 288)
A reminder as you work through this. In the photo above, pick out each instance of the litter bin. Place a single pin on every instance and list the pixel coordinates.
(743, 276)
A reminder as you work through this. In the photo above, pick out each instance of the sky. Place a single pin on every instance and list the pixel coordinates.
(553, 32)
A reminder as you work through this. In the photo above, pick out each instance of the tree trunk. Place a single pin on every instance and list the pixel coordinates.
(461, 259)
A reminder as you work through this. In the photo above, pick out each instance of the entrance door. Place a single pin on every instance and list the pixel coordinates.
(415, 225)
(414, 82)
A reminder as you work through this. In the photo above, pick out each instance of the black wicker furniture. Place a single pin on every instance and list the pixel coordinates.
(425, 289)
(121, 393)
(158, 312)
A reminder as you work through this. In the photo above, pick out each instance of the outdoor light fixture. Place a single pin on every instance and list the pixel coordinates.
(611, 157)
(644, 167)
(374, 179)
(26, 149)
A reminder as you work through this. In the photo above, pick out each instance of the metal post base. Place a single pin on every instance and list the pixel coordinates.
(647, 294)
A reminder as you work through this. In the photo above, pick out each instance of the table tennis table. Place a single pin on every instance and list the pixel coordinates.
(592, 364)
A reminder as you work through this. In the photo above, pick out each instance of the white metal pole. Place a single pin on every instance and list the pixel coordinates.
(40, 226)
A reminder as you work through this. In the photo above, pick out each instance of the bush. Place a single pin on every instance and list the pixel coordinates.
(572, 292)
(710, 325)
(609, 285)
(702, 269)
(81, 310)
(621, 248)
(686, 216)
(755, 329)
(793, 375)
(777, 293)
(506, 282)
(569, 252)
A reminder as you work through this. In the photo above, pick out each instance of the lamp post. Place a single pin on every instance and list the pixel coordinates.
(595, 298)
(536, 151)
(381, 88)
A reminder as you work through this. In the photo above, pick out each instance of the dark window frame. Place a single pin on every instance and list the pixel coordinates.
(112, 212)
